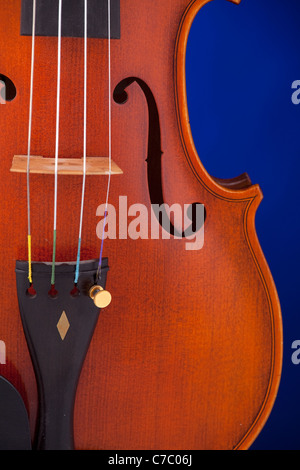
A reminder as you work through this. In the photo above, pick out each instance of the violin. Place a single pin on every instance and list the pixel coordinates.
(138, 310)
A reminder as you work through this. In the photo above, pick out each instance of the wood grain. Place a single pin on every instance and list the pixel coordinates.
(164, 370)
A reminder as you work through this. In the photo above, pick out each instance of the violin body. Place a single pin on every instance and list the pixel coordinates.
(188, 354)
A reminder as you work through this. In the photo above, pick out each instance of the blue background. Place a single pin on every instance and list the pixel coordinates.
(241, 63)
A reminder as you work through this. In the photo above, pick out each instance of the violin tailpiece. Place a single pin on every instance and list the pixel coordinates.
(58, 333)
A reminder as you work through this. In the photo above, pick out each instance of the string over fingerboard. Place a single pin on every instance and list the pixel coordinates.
(72, 21)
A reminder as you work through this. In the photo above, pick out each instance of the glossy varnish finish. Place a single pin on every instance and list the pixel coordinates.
(188, 354)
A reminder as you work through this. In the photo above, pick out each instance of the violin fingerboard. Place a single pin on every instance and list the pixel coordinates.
(72, 18)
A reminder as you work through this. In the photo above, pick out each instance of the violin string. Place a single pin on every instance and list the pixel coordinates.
(57, 141)
(109, 134)
(84, 145)
(29, 143)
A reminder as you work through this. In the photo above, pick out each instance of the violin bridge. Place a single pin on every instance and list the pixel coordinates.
(66, 166)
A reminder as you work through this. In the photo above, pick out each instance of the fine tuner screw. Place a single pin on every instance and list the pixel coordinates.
(101, 297)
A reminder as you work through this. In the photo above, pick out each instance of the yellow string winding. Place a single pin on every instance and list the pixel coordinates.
(29, 260)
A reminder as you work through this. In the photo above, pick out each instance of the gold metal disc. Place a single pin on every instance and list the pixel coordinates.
(102, 298)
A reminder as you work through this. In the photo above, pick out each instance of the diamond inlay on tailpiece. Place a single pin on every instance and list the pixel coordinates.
(63, 325)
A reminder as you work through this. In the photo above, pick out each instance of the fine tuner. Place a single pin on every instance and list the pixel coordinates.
(100, 296)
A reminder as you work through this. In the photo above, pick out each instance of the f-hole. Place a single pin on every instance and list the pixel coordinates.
(154, 159)
(8, 90)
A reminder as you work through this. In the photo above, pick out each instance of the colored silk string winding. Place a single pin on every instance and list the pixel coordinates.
(77, 271)
(56, 143)
(29, 143)
(109, 133)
